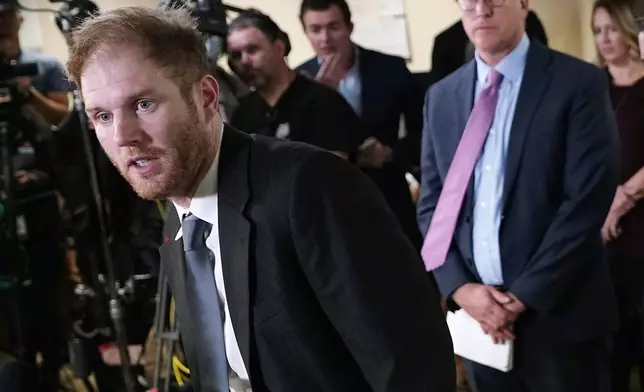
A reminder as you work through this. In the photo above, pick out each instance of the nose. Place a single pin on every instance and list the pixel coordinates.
(324, 36)
(483, 8)
(246, 60)
(604, 35)
(127, 131)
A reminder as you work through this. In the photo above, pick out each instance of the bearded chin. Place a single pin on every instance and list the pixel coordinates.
(155, 188)
(150, 189)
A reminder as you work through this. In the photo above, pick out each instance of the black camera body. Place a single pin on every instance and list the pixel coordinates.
(10, 96)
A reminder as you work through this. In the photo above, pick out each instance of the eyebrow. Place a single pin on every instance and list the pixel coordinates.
(129, 99)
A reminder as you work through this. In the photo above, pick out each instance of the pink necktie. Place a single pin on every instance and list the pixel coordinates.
(441, 229)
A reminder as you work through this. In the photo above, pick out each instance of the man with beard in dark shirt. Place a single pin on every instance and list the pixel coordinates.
(282, 103)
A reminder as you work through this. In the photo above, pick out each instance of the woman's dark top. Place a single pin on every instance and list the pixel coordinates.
(628, 104)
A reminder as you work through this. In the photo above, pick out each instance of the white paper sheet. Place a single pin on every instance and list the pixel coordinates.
(472, 343)
(381, 25)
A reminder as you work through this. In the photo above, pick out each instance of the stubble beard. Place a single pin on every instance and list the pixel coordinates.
(179, 164)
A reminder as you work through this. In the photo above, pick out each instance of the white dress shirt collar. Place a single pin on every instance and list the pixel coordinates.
(512, 65)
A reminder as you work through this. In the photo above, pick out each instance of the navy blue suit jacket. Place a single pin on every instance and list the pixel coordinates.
(387, 94)
(560, 179)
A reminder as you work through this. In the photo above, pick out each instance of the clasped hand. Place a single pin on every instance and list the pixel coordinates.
(494, 310)
(623, 202)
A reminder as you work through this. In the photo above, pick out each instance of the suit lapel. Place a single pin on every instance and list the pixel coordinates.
(234, 232)
(464, 92)
(312, 68)
(536, 78)
(173, 258)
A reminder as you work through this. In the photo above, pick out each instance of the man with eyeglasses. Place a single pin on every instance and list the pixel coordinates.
(519, 169)
(452, 48)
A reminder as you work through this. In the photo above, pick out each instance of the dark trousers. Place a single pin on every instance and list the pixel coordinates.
(627, 274)
(545, 365)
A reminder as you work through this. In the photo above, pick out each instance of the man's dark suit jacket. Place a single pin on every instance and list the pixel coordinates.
(559, 184)
(325, 291)
(387, 94)
(450, 46)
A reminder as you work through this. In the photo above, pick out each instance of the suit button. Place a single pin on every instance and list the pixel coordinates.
(468, 219)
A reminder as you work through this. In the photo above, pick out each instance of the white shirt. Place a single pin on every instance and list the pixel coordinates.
(204, 206)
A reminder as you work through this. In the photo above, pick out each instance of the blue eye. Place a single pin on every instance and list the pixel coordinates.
(144, 105)
(104, 117)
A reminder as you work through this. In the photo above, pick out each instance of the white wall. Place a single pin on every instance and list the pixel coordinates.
(566, 22)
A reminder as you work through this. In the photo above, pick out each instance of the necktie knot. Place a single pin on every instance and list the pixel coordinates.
(195, 231)
(494, 78)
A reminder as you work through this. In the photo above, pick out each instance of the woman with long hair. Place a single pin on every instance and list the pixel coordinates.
(615, 31)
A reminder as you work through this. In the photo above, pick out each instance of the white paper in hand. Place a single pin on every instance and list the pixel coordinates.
(472, 343)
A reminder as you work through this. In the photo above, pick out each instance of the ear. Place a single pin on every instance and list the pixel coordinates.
(210, 97)
(279, 47)
(525, 4)
(350, 28)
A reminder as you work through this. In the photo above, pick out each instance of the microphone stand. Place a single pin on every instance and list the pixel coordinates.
(116, 309)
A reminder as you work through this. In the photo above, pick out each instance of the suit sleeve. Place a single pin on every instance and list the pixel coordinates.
(590, 179)
(453, 273)
(333, 123)
(369, 279)
(412, 112)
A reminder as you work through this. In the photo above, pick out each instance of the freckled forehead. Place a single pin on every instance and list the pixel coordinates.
(112, 75)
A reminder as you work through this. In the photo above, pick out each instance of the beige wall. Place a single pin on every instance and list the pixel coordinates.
(566, 22)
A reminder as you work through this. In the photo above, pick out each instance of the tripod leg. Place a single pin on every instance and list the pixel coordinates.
(159, 322)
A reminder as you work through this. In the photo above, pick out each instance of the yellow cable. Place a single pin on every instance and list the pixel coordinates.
(180, 365)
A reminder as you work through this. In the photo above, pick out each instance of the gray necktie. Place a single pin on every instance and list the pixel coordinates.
(205, 307)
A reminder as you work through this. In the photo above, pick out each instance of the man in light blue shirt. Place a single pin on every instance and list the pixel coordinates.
(381, 91)
(525, 258)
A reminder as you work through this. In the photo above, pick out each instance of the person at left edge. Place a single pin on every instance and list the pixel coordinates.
(283, 103)
(48, 91)
(319, 288)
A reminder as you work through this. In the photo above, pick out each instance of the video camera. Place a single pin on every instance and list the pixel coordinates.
(10, 96)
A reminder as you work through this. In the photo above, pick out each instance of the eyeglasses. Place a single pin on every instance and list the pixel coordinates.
(470, 5)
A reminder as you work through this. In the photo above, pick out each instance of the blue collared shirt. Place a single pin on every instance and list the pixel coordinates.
(489, 173)
(351, 86)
